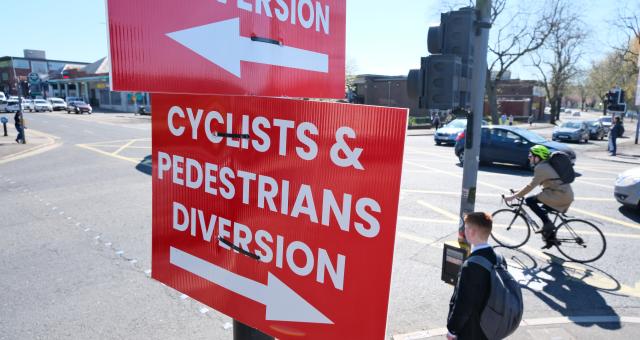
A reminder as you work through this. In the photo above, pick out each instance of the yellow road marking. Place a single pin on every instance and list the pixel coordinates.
(425, 220)
(132, 160)
(594, 184)
(415, 238)
(124, 147)
(496, 195)
(443, 212)
(607, 218)
(601, 171)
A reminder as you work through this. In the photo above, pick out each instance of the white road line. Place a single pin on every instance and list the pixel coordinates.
(530, 322)
(495, 195)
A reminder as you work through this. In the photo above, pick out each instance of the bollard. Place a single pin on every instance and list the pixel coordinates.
(4, 125)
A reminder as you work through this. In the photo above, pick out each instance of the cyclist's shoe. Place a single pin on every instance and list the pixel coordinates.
(550, 241)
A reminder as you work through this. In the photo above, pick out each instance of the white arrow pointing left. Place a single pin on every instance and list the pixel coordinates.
(221, 43)
(283, 304)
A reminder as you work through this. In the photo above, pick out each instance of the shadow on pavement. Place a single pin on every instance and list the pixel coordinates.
(145, 165)
(630, 213)
(563, 288)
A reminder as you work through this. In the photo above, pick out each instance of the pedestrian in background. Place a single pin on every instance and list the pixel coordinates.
(436, 121)
(17, 121)
(510, 119)
(503, 119)
(530, 119)
(614, 133)
(474, 282)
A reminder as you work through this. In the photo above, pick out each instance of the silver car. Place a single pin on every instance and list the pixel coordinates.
(627, 189)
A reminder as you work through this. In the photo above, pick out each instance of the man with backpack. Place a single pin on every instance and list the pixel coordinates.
(487, 301)
(555, 176)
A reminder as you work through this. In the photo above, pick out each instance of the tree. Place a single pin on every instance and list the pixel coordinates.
(561, 52)
(515, 37)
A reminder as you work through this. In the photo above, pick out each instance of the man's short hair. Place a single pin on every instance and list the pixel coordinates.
(481, 220)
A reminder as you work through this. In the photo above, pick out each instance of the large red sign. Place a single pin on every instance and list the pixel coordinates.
(293, 48)
(279, 213)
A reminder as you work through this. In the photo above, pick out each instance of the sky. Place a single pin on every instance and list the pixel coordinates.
(383, 36)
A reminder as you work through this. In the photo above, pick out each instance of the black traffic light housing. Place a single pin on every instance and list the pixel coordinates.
(443, 80)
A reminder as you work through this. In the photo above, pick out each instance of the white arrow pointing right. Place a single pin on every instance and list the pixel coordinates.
(221, 43)
(283, 304)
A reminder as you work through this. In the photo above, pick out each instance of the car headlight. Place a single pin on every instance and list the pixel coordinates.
(625, 181)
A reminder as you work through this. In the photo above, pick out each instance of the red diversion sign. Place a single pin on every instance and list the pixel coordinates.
(293, 48)
(278, 213)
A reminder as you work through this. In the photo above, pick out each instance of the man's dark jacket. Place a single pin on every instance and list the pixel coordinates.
(470, 297)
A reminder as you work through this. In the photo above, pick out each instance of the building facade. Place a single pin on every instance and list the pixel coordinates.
(63, 79)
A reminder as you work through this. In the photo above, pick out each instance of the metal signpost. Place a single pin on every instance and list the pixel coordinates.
(472, 147)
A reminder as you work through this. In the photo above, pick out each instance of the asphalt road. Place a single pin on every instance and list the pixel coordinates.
(76, 243)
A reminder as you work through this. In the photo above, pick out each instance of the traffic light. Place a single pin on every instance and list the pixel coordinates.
(443, 80)
(621, 97)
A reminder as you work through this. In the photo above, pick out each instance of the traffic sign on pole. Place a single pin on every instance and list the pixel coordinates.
(293, 48)
(279, 213)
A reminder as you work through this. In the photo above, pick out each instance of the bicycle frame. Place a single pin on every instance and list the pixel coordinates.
(519, 208)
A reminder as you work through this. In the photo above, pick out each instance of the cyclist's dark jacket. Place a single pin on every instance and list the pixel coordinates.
(555, 193)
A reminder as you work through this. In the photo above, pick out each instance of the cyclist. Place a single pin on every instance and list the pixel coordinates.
(555, 194)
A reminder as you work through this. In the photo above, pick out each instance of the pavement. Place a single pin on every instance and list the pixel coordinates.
(37, 142)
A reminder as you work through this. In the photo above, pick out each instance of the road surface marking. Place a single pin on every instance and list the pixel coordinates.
(438, 332)
(594, 184)
(426, 220)
(124, 147)
(38, 149)
(454, 175)
(608, 219)
(443, 212)
(601, 171)
(496, 195)
(132, 160)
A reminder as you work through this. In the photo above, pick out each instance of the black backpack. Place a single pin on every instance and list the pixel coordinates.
(561, 163)
(503, 312)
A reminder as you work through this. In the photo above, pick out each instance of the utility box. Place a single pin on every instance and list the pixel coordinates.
(453, 256)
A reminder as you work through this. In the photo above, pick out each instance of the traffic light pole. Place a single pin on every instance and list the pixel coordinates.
(474, 122)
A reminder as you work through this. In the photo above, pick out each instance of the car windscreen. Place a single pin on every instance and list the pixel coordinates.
(40, 101)
(531, 136)
(593, 123)
(458, 123)
(605, 119)
(57, 101)
(571, 125)
(79, 103)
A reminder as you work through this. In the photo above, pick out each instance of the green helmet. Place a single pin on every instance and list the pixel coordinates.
(540, 151)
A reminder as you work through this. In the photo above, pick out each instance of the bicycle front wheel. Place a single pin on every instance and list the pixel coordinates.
(510, 228)
(580, 241)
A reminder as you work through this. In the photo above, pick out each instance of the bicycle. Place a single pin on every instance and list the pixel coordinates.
(578, 240)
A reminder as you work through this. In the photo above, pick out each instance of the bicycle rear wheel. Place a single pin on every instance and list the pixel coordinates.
(580, 241)
(510, 228)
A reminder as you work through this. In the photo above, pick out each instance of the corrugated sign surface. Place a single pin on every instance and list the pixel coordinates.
(293, 48)
(279, 213)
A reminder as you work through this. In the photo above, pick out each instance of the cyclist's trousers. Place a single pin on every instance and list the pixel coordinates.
(535, 205)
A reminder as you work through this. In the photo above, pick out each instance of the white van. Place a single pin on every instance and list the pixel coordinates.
(2, 96)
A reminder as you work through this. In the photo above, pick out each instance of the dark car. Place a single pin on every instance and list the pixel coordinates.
(78, 107)
(596, 129)
(448, 133)
(508, 144)
(574, 131)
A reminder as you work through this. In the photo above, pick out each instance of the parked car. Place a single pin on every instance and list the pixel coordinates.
(509, 144)
(12, 105)
(57, 104)
(78, 107)
(576, 113)
(3, 105)
(606, 123)
(27, 104)
(42, 105)
(3, 97)
(449, 132)
(74, 99)
(576, 131)
(596, 129)
(627, 188)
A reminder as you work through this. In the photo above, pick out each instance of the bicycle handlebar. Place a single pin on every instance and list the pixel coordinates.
(511, 205)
